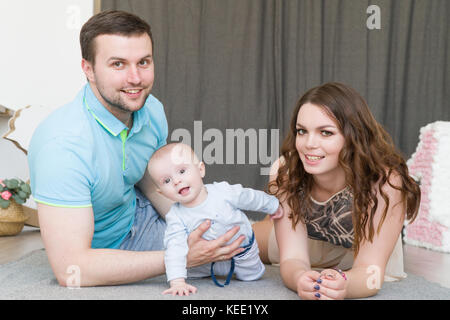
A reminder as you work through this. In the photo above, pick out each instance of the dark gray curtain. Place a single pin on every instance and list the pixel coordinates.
(231, 64)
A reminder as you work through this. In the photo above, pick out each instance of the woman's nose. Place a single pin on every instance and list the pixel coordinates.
(311, 141)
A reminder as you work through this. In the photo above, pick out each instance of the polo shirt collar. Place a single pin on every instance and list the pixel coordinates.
(141, 117)
(107, 120)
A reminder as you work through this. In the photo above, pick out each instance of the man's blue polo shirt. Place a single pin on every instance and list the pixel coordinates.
(82, 156)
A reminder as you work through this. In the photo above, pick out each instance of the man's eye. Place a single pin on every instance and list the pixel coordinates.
(118, 64)
(144, 62)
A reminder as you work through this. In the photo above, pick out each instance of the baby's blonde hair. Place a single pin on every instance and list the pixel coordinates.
(178, 152)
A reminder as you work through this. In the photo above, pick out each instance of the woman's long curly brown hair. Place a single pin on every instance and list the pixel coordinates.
(368, 158)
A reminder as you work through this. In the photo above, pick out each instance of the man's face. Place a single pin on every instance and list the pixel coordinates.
(123, 73)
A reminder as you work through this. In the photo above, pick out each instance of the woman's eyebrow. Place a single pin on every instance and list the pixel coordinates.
(321, 127)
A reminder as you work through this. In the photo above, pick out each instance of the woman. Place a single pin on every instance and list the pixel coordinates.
(345, 191)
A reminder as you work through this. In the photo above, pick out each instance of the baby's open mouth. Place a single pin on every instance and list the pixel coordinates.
(184, 191)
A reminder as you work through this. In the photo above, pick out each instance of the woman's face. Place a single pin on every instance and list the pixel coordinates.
(318, 140)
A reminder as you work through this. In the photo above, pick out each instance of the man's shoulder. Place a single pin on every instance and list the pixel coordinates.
(65, 118)
(68, 122)
(155, 108)
(153, 101)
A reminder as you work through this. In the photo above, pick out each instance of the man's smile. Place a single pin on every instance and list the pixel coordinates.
(132, 93)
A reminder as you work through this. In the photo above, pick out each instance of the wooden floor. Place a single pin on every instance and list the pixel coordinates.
(432, 265)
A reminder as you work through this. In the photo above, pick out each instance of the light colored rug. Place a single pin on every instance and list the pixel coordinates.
(31, 278)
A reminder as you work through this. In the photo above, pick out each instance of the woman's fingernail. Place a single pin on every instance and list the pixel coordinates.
(319, 280)
(317, 295)
(317, 287)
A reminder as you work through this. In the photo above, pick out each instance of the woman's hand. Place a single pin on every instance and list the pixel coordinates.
(203, 251)
(307, 284)
(332, 285)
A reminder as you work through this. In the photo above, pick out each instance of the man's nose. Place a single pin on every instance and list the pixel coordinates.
(134, 76)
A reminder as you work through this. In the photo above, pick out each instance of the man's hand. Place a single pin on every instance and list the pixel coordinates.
(203, 251)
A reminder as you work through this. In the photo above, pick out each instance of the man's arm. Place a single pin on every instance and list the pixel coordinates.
(158, 201)
(67, 234)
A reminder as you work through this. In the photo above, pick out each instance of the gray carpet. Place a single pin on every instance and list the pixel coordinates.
(31, 278)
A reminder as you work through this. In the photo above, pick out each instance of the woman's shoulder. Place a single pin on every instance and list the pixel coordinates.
(390, 190)
(275, 166)
(393, 182)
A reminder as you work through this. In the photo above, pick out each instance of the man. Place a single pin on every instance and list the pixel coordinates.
(88, 155)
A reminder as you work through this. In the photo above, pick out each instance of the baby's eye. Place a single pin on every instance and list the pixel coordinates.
(182, 171)
(166, 181)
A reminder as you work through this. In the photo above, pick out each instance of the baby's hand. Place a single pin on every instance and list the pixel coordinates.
(180, 287)
(278, 214)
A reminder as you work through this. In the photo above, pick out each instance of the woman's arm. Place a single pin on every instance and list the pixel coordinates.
(295, 267)
(293, 245)
(367, 274)
(294, 256)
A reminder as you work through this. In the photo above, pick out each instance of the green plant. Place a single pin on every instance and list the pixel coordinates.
(16, 189)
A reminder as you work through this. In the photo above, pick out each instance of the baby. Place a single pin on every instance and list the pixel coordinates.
(178, 175)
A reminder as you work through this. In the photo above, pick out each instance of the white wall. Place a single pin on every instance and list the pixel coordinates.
(40, 62)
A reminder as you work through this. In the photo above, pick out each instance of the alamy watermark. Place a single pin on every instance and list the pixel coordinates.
(73, 18)
(374, 280)
(73, 281)
(235, 146)
(374, 19)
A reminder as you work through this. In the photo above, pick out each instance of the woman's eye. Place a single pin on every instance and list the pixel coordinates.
(326, 133)
(301, 131)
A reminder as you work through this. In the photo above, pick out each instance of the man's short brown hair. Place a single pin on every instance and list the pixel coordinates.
(110, 22)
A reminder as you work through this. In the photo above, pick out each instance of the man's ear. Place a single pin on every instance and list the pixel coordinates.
(201, 168)
(88, 69)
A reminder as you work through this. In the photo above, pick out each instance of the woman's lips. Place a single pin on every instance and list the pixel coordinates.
(313, 159)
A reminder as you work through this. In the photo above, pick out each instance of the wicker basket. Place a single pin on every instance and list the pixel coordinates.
(12, 219)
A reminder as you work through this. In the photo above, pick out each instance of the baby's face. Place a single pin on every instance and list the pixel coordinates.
(179, 178)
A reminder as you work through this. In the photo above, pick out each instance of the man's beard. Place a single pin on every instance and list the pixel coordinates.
(119, 104)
